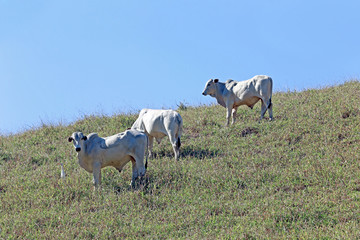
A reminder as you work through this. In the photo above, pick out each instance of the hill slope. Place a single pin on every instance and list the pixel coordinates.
(297, 176)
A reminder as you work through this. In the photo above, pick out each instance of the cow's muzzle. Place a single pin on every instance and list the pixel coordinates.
(78, 149)
(204, 93)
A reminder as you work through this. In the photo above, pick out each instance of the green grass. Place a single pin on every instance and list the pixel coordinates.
(295, 177)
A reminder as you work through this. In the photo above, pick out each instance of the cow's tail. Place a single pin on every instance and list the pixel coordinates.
(147, 151)
(178, 142)
(270, 103)
(270, 91)
(180, 126)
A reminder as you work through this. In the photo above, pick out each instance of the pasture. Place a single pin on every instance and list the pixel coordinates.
(295, 177)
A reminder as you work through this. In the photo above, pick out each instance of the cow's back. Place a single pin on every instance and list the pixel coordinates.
(153, 121)
(125, 139)
(118, 148)
(157, 122)
(258, 86)
(147, 119)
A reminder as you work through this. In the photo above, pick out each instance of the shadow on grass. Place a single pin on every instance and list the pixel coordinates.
(148, 184)
(199, 153)
(188, 151)
(151, 184)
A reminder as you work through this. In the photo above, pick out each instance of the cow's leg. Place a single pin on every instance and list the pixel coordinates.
(140, 166)
(270, 111)
(174, 143)
(263, 109)
(138, 158)
(234, 110)
(228, 114)
(97, 174)
(135, 173)
(151, 143)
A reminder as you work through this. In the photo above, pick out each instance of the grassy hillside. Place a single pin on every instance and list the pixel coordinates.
(295, 177)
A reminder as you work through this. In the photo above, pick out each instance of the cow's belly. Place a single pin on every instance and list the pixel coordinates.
(157, 135)
(156, 130)
(116, 161)
(250, 102)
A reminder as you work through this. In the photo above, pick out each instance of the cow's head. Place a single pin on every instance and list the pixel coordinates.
(210, 87)
(76, 138)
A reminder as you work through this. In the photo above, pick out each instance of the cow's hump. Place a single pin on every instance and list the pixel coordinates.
(229, 84)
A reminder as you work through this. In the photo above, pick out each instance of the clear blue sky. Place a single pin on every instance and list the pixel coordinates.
(62, 59)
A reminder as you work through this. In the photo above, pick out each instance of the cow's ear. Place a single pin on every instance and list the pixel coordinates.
(84, 138)
(70, 139)
(216, 80)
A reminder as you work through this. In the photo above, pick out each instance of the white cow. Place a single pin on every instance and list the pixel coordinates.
(95, 153)
(158, 124)
(233, 94)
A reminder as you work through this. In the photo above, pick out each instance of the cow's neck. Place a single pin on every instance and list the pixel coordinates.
(82, 156)
(137, 124)
(219, 93)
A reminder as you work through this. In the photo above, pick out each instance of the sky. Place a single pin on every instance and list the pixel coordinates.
(62, 60)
